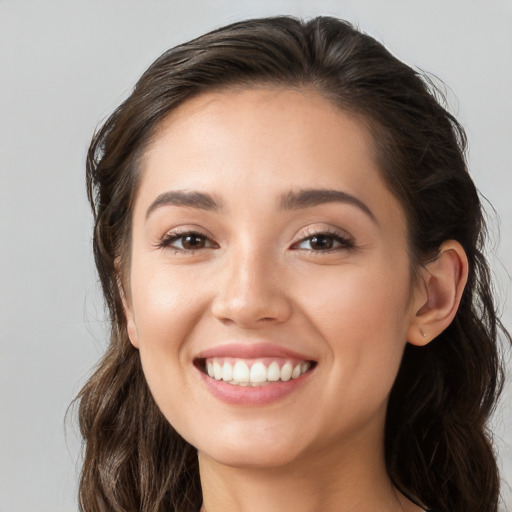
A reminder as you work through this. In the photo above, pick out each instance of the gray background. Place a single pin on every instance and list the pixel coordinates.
(63, 67)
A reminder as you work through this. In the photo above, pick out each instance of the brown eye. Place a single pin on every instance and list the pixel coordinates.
(321, 242)
(324, 242)
(193, 241)
(187, 242)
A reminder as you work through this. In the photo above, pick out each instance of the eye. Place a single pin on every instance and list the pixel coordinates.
(324, 242)
(188, 241)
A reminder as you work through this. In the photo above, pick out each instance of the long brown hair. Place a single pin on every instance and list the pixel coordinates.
(437, 445)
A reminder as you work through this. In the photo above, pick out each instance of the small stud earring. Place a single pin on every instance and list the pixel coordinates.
(423, 333)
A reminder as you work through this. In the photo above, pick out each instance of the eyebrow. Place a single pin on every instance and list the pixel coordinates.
(296, 200)
(191, 199)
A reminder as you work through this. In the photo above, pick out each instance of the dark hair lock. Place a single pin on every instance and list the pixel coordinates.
(437, 445)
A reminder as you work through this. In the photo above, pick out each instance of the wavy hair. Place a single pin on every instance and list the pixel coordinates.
(438, 449)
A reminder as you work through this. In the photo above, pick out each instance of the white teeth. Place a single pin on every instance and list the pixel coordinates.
(241, 372)
(273, 372)
(257, 374)
(286, 372)
(217, 371)
(296, 372)
(227, 371)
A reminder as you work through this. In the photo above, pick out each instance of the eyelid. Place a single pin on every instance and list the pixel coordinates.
(166, 241)
(345, 240)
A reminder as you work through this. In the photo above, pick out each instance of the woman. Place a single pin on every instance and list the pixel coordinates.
(289, 244)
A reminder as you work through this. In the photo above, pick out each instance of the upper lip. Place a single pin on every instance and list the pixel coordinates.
(251, 351)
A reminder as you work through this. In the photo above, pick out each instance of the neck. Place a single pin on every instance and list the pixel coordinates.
(355, 480)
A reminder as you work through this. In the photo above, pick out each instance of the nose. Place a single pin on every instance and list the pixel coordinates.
(251, 294)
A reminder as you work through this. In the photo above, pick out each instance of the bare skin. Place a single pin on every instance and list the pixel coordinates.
(228, 250)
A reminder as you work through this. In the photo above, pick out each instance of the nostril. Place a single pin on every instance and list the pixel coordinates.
(251, 314)
(250, 297)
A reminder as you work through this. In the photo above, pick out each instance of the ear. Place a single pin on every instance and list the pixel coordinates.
(131, 326)
(437, 298)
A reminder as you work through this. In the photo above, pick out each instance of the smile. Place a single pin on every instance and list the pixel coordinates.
(255, 373)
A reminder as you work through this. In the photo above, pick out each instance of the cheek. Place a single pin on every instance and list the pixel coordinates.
(359, 299)
(165, 304)
(363, 318)
(165, 317)
(166, 308)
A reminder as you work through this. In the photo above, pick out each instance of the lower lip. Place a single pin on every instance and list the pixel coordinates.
(249, 395)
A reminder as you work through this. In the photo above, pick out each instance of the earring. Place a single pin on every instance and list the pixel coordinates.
(423, 333)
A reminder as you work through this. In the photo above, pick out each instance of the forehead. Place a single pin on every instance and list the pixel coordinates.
(275, 138)
(260, 128)
(294, 115)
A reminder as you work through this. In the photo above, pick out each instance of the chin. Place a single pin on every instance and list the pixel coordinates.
(250, 450)
(251, 458)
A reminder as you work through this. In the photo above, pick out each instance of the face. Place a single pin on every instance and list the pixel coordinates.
(269, 291)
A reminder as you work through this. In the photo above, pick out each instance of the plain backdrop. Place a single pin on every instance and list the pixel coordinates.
(64, 66)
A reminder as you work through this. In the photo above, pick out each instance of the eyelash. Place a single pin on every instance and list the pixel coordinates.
(345, 243)
(173, 236)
